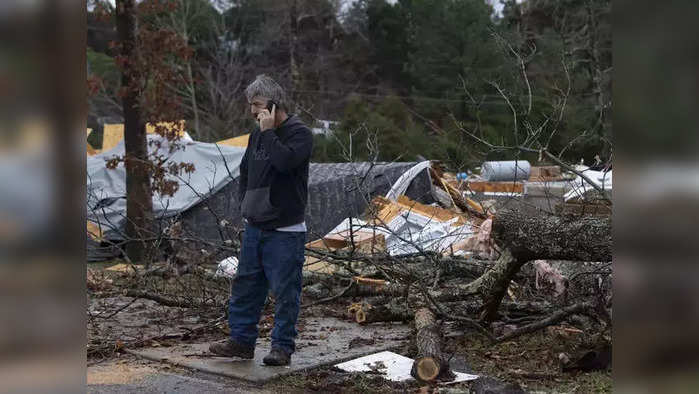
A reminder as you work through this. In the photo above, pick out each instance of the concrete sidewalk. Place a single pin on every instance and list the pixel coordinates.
(323, 341)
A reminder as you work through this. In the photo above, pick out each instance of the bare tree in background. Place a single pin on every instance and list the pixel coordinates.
(223, 112)
(180, 21)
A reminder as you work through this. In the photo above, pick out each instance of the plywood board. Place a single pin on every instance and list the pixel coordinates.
(441, 214)
(363, 240)
(112, 135)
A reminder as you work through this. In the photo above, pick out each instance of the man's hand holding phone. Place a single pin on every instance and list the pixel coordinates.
(267, 116)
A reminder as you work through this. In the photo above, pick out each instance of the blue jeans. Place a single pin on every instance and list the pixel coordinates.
(268, 259)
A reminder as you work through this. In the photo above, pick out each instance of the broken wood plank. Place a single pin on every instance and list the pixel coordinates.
(370, 281)
(364, 241)
(440, 214)
(387, 210)
(545, 174)
(464, 203)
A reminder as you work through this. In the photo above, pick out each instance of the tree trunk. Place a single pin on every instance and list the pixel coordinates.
(430, 363)
(139, 206)
(293, 58)
(193, 99)
(493, 284)
(526, 238)
(554, 237)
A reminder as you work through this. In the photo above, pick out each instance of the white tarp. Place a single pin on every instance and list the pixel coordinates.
(410, 229)
(394, 366)
(106, 188)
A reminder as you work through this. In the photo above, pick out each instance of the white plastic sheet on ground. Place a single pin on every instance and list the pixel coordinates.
(394, 366)
(227, 268)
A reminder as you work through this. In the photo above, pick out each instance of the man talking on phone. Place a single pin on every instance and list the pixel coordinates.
(273, 191)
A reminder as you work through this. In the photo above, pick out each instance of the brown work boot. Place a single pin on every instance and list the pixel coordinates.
(231, 348)
(277, 357)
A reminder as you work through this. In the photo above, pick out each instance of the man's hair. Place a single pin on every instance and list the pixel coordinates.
(264, 86)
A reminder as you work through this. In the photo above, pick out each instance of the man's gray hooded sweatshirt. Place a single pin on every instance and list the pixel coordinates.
(274, 175)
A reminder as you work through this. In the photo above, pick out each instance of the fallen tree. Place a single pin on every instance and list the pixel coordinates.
(532, 237)
(525, 238)
(415, 280)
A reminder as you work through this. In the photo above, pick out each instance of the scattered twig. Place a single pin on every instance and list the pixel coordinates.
(159, 299)
(331, 298)
(117, 311)
(551, 320)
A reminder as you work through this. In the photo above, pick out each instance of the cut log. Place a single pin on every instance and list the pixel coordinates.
(364, 313)
(430, 363)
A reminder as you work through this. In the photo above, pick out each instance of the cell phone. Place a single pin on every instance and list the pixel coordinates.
(270, 103)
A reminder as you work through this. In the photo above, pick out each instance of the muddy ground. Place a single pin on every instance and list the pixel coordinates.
(116, 322)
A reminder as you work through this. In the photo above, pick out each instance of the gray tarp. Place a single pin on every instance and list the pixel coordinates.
(335, 191)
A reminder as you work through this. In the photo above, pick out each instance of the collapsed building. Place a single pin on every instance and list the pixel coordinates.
(206, 202)
(396, 207)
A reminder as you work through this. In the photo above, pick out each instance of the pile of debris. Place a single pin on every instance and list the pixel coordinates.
(405, 227)
(462, 260)
(517, 184)
(456, 225)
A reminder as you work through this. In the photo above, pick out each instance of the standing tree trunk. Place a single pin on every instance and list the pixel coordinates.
(191, 87)
(139, 205)
(430, 363)
(293, 41)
